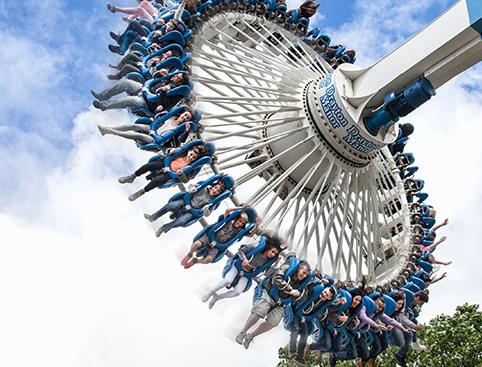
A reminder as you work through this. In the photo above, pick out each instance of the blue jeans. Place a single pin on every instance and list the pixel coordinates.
(350, 352)
(175, 207)
(131, 87)
(362, 348)
(379, 344)
(298, 329)
(403, 351)
(328, 341)
(180, 221)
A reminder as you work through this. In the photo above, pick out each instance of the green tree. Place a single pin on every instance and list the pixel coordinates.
(451, 341)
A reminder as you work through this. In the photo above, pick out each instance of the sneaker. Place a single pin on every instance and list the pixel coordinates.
(115, 36)
(206, 297)
(331, 360)
(401, 361)
(247, 340)
(190, 263)
(127, 179)
(185, 260)
(136, 195)
(240, 338)
(99, 105)
(102, 130)
(96, 95)
(160, 231)
(112, 77)
(111, 8)
(416, 346)
(114, 49)
(213, 301)
(149, 217)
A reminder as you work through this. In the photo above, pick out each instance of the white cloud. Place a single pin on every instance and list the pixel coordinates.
(88, 284)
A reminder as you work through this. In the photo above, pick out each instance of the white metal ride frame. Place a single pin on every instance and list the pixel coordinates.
(292, 133)
(252, 79)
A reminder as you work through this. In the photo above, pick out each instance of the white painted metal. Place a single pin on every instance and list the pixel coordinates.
(259, 95)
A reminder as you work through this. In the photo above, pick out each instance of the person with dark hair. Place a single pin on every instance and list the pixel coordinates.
(159, 172)
(306, 10)
(249, 262)
(350, 329)
(398, 145)
(284, 285)
(302, 314)
(398, 337)
(214, 240)
(186, 208)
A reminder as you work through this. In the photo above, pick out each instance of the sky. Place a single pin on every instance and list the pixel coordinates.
(84, 281)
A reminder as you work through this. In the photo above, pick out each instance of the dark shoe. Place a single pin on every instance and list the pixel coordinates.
(401, 361)
(112, 77)
(160, 231)
(300, 361)
(96, 95)
(115, 37)
(331, 360)
(114, 49)
(111, 8)
(99, 105)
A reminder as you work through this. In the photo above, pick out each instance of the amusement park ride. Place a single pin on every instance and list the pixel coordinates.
(306, 143)
(317, 137)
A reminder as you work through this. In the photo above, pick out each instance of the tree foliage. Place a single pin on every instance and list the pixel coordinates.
(451, 341)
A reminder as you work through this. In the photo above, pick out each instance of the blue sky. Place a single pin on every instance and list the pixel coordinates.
(81, 269)
(63, 44)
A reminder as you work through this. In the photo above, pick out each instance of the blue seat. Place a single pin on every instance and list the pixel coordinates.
(425, 266)
(418, 282)
(250, 275)
(172, 37)
(214, 204)
(409, 298)
(211, 230)
(390, 305)
(192, 170)
(171, 138)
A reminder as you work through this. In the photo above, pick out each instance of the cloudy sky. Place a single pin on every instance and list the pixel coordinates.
(83, 280)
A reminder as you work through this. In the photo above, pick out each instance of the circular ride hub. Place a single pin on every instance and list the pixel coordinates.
(298, 149)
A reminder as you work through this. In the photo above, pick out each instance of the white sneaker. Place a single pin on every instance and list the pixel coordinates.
(206, 297)
(240, 338)
(418, 347)
(213, 301)
(247, 340)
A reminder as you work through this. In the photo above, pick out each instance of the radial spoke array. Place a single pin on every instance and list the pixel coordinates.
(250, 75)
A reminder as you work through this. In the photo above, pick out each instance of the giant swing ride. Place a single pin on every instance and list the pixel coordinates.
(307, 144)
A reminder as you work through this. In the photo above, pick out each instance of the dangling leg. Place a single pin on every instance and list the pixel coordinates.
(236, 291)
(135, 12)
(180, 221)
(131, 87)
(147, 6)
(129, 132)
(227, 279)
(171, 206)
(150, 166)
